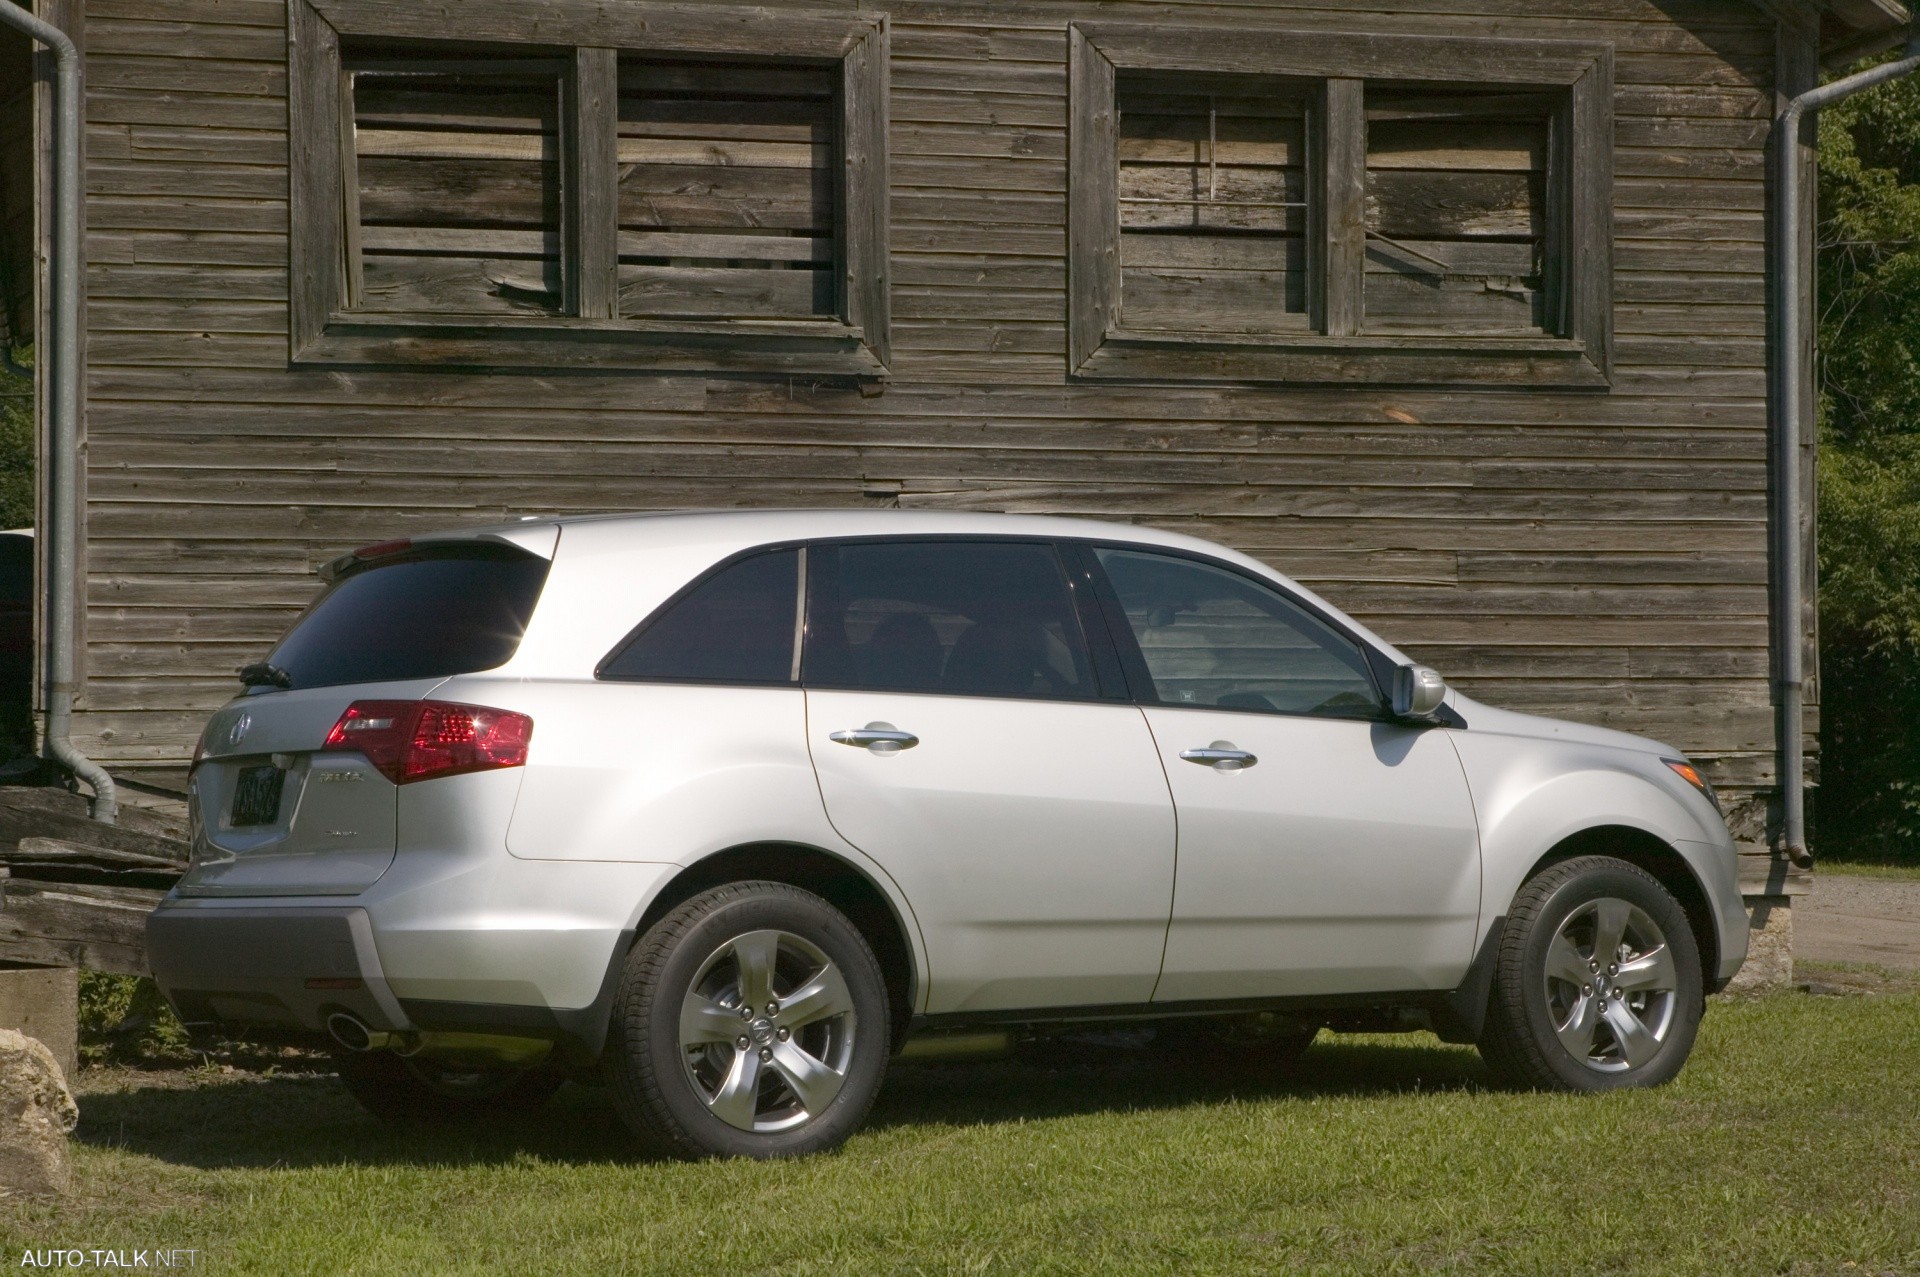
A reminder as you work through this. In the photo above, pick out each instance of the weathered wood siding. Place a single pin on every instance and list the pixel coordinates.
(1596, 555)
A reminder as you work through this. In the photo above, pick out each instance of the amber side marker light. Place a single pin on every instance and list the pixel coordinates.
(1691, 774)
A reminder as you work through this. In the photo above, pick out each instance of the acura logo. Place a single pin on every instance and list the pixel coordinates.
(238, 732)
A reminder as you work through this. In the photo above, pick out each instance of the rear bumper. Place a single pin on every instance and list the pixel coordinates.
(441, 942)
(286, 968)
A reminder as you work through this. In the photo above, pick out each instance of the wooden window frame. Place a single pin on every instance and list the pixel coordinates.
(591, 335)
(1579, 209)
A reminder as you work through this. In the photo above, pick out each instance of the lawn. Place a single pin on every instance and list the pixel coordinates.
(1791, 1145)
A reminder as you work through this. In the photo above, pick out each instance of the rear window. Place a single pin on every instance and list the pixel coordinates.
(424, 614)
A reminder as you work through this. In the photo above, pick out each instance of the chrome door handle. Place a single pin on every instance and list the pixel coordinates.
(1221, 756)
(876, 738)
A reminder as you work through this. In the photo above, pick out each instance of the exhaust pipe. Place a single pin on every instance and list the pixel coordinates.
(352, 1032)
(472, 1050)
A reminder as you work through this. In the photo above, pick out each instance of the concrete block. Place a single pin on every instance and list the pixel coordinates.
(1769, 945)
(44, 1003)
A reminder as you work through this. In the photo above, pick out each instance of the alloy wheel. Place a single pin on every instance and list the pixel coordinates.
(1611, 985)
(767, 1031)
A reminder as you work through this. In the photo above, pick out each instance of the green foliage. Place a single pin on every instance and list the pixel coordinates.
(1869, 803)
(124, 1020)
(16, 443)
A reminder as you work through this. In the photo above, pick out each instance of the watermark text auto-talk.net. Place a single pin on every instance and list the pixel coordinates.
(149, 1258)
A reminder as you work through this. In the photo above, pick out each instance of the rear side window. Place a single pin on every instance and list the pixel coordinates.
(965, 618)
(736, 626)
(424, 614)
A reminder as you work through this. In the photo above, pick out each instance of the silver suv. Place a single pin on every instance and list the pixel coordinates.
(729, 807)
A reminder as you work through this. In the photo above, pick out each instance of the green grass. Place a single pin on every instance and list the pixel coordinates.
(1790, 1145)
(1847, 869)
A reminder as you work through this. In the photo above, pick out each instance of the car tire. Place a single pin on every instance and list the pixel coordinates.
(1597, 984)
(411, 1092)
(816, 1034)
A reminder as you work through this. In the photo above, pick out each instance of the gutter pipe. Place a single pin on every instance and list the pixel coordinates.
(1790, 544)
(63, 417)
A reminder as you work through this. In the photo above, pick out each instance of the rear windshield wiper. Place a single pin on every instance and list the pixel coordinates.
(265, 675)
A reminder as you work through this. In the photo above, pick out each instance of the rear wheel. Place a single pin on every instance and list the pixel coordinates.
(752, 1021)
(411, 1092)
(1598, 985)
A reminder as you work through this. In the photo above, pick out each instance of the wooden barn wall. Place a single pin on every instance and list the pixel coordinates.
(1597, 556)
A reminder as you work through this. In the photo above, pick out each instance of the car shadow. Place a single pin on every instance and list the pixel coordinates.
(307, 1119)
(1069, 1077)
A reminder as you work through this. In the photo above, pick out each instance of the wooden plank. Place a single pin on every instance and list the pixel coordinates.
(688, 198)
(1093, 228)
(450, 285)
(1329, 54)
(1339, 235)
(1212, 252)
(1415, 303)
(1461, 143)
(23, 816)
(315, 212)
(864, 293)
(729, 29)
(36, 851)
(1420, 204)
(1224, 198)
(1244, 301)
(590, 253)
(724, 291)
(718, 245)
(68, 924)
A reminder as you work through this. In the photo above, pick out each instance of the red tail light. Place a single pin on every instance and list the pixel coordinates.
(419, 740)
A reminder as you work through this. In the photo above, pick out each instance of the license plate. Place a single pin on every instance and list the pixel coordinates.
(256, 799)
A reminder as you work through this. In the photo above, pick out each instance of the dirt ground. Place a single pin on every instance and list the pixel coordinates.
(1868, 920)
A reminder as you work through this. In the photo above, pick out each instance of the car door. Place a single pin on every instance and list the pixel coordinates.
(962, 741)
(1323, 847)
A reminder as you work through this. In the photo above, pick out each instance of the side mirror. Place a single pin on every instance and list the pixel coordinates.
(1418, 691)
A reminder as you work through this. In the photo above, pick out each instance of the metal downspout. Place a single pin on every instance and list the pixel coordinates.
(63, 427)
(1788, 577)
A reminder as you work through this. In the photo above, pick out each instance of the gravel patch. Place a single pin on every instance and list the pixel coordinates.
(1859, 920)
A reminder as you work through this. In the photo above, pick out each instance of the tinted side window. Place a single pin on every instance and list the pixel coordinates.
(737, 626)
(971, 618)
(1212, 637)
(426, 614)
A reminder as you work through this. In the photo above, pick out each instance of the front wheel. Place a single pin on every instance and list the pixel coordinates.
(1598, 984)
(752, 1021)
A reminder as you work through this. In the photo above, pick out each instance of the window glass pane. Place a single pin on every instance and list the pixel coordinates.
(978, 619)
(737, 626)
(1212, 637)
(1212, 203)
(728, 175)
(457, 181)
(1456, 211)
(426, 614)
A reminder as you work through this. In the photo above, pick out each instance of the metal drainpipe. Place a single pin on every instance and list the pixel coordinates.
(63, 430)
(1788, 578)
